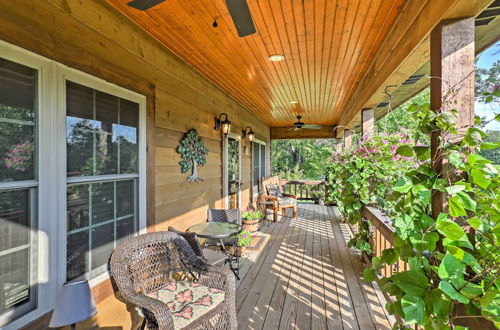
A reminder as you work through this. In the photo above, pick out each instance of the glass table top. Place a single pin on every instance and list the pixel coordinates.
(215, 229)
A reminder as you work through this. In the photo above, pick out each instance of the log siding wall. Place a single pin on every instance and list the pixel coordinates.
(93, 37)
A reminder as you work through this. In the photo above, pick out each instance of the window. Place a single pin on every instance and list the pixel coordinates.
(102, 171)
(18, 187)
(72, 179)
(259, 165)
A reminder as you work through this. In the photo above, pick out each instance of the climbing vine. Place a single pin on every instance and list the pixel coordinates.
(453, 258)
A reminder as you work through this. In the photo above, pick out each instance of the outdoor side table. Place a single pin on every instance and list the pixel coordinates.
(220, 231)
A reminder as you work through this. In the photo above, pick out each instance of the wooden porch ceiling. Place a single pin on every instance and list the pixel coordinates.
(338, 53)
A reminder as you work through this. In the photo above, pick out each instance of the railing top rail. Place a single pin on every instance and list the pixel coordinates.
(380, 221)
(308, 182)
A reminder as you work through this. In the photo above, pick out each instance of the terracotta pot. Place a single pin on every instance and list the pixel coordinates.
(251, 225)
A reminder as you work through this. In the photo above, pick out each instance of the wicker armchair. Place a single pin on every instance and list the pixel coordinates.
(144, 269)
(280, 201)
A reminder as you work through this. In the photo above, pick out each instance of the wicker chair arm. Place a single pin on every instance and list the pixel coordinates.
(290, 195)
(157, 308)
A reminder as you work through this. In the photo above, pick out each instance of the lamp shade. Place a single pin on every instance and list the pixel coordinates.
(75, 304)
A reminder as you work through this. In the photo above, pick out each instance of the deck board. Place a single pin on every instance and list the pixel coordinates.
(307, 278)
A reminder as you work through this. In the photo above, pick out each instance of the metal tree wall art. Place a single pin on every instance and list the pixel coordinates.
(193, 151)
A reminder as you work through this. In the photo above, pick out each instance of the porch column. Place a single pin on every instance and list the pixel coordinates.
(367, 122)
(452, 86)
(347, 139)
(338, 133)
(338, 145)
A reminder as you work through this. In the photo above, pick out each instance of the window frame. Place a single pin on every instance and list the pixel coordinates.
(49, 253)
(64, 74)
(261, 143)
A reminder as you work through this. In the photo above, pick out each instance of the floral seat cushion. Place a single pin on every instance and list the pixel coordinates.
(188, 300)
(287, 201)
(274, 190)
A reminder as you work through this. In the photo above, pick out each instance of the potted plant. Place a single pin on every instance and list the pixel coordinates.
(251, 219)
(244, 238)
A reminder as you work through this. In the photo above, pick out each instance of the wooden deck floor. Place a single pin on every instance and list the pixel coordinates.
(307, 278)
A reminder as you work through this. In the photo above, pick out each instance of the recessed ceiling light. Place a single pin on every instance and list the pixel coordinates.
(276, 58)
(294, 102)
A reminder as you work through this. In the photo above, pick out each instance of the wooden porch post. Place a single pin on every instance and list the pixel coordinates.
(367, 122)
(452, 86)
(338, 145)
(347, 139)
(338, 133)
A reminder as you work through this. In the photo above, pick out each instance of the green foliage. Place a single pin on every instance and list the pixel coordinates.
(453, 259)
(301, 159)
(244, 238)
(193, 151)
(251, 214)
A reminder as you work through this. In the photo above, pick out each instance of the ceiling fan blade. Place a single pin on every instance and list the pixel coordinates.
(242, 18)
(312, 126)
(144, 4)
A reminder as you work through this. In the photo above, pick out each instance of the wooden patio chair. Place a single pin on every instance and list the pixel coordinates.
(272, 192)
(144, 269)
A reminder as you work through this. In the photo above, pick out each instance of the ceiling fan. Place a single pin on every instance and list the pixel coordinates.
(299, 124)
(238, 9)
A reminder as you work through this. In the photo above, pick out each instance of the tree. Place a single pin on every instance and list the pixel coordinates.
(193, 153)
(487, 81)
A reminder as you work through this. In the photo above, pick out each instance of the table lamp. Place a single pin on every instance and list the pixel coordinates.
(75, 304)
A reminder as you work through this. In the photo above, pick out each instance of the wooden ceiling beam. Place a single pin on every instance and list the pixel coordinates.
(287, 133)
(407, 36)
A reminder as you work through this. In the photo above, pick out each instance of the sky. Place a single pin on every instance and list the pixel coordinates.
(486, 60)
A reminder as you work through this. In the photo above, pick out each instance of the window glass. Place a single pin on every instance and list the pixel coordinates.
(102, 139)
(18, 140)
(17, 122)
(101, 132)
(100, 216)
(256, 167)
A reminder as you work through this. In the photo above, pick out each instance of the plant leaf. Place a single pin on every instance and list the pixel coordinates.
(414, 309)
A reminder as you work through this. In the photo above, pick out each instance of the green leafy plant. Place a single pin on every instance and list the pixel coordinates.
(453, 258)
(193, 151)
(251, 214)
(244, 238)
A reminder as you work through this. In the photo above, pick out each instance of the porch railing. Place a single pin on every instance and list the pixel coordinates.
(381, 238)
(305, 190)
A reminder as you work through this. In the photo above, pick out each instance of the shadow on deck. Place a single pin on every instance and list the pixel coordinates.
(307, 278)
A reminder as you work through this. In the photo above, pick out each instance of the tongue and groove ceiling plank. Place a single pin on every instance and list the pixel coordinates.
(327, 44)
(338, 53)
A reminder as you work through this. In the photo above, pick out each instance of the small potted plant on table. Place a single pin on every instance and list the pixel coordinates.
(251, 219)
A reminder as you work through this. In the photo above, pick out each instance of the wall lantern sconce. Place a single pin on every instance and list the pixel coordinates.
(251, 134)
(222, 125)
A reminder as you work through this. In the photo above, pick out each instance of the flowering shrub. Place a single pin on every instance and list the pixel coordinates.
(251, 214)
(20, 156)
(453, 257)
(244, 238)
